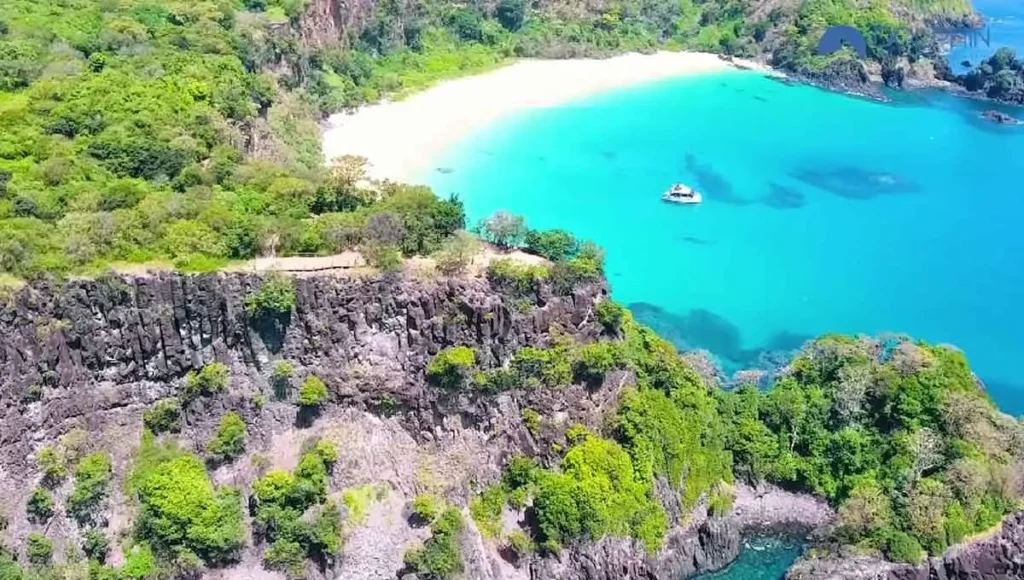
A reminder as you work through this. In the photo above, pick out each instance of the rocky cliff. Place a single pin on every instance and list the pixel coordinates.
(85, 359)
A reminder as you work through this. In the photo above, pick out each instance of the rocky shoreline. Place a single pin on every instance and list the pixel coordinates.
(998, 556)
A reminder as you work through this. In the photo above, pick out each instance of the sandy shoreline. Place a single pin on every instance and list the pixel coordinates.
(401, 138)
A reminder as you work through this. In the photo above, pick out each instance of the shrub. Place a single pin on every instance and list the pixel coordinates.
(595, 360)
(40, 549)
(720, 503)
(40, 505)
(504, 229)
(92, 477)
(275, 298)
(597, 493)
(287, 556)
(531, 419)
(537, 367)
(180, 511)
(555, 245)
(281, 378)
(486, 510)
(281, 499)
(229, 441)
(440, 557)
(567, 276)
(33, 394)
(313, 392)
(426, 508)
(386, 258)
(521, 543)
(95, 545)
(164, 417)
(509, 275)
(212, 379)
(451, 367)
(610, 315)
(357, 501)
(902, 547)
(53, 465)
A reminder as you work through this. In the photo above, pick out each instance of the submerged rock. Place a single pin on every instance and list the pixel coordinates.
(1000, 118)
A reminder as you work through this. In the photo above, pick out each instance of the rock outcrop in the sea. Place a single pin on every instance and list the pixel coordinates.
(999, 556)
(1000, 118)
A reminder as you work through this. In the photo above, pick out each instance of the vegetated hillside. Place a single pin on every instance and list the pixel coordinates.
(184, 131)
(352, 427)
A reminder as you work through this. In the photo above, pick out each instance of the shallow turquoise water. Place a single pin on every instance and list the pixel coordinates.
(761, 559)
(822, 213)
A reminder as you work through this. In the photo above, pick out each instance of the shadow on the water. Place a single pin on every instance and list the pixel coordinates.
(703, 329)
(444, 170)
(855, 183)
(609, 155)
(695, 241)
(712, 183)
(782, 197)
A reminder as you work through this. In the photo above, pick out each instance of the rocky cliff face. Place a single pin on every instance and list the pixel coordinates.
(997, 557)
(90, 356)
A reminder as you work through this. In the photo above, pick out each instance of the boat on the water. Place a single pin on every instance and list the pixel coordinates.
(680, 193)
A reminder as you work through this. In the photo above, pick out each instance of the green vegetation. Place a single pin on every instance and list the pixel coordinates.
(95, 545)
(39, 549)
(426, 508)
(720, 503)
(486, 510)
(457, 253)
(896, 434)
(229, 441)
(163, 417)
(313, 392)
(1000, 76)
(92, 480)
(450, 368)
(531, 419)
(281, 378)
(357, 500)
(181, 514)
(611, 315)
(53, 465)
(274, 298)
(281, 499)
(210, 380)
(439, 558)
(40, 505)
(515, 277)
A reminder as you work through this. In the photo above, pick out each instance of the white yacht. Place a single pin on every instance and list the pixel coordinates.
(680, 193)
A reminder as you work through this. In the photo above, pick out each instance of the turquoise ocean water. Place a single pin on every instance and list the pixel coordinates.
(822, 213)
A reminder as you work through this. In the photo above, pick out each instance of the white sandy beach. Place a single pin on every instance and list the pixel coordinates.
(401, 138)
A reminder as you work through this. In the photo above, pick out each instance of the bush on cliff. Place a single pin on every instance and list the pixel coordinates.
(440, 557)
(275, 298)
(451, 367)
(280, 500)
(313, 393)
(92, 481)
(229, 440)
(210, 380)
(180, 511)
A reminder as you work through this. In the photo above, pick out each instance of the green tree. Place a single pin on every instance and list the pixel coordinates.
(504, 230)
